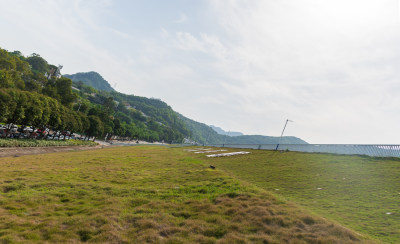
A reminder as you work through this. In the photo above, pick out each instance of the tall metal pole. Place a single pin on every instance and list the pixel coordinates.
(280, 138)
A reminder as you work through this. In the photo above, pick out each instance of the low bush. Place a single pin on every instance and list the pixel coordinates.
(43, 143)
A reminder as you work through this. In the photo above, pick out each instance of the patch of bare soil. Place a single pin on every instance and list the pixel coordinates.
(20, 151)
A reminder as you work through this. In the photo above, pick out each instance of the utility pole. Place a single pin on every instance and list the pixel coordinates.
(280, 138)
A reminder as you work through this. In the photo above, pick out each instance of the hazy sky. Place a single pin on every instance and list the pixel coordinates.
(332, 66)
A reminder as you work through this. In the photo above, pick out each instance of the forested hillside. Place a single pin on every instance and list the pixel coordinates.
(92, 79)
(140, 117)
(162, 114)
(33, 92)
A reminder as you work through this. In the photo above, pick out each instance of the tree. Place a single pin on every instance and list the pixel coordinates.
(123, 117)
(64, 91)
(55, 113)
(109, 105)
(32, 109)
(36, 82)
(82, 106)
(6, 61)
(96, 127)
(84, 122)
(5, 79)
(38, 64)
(17, 107)
(5, 102)
(70, 122)
(119, 129)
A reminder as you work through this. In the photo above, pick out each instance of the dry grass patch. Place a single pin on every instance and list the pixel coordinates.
(240, 219)
(144, 194)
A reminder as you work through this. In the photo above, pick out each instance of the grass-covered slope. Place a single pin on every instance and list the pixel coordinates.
(362, 193)
(145, 194)
(92, 79)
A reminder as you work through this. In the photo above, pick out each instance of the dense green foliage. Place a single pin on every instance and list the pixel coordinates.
(43, 143)
(30, 108)
(92, 79)
(32, 92)
(133, 116)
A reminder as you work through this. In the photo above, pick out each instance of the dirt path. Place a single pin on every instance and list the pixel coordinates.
(20, 151)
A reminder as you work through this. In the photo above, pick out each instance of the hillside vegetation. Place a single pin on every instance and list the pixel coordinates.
(146, 194)
(92, 79)
(34, 93)
(43, 143)
(162, 115)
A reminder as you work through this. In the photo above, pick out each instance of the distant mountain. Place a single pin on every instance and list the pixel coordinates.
(92, 79)
(222, 132)
(203, 133)
(257, 139)
(200, 132)
(162, 113)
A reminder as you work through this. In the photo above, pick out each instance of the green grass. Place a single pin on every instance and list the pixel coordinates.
(355, 191)
(145, 194)
(7, 142)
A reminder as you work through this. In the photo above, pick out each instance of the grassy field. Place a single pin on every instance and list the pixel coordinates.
(7, 142)
(147, 194)
(362, 193)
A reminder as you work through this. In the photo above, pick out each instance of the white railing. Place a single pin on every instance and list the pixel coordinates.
(352, 149)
